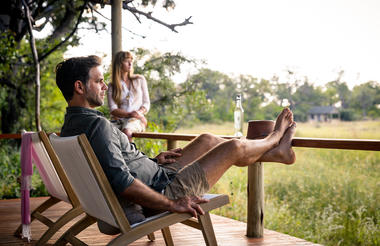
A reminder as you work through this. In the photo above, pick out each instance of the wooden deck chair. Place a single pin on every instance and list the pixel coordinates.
(57, 185)
(99, 201)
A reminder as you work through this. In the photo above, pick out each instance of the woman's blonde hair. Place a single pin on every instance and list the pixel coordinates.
(116, 75)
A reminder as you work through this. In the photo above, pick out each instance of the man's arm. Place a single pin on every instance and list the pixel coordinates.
(141, 194)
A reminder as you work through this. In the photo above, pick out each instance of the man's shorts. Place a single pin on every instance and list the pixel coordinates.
(189, 180)
(133, 124)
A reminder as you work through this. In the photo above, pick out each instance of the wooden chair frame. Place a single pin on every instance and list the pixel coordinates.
(130, 233)
(76, 209)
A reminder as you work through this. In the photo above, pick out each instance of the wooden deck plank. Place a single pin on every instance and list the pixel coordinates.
(228, 232)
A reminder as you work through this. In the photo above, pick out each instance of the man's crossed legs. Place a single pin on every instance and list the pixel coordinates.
(212, 156)
(216, 155)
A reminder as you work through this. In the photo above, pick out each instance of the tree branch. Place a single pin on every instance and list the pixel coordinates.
(69, 36)
(105, 17)
(64, 25)
(149, 16)
(28, 18)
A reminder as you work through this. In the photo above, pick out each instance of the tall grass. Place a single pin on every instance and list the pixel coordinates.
(330, 197)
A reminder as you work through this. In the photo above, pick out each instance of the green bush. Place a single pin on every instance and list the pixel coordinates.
(151, 147)
(10, 171)
(348, 115)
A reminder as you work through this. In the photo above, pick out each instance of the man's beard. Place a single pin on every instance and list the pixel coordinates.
(94, 100)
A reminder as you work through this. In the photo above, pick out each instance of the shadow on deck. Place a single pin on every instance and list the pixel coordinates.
(228, 232)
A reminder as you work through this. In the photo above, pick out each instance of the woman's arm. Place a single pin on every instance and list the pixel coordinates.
(114, 108)
(121, 113)
(145, 96)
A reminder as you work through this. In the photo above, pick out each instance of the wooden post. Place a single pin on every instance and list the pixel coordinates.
(172, 144)
(255, 209)
(116, 23)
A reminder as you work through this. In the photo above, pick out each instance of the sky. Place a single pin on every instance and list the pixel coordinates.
(262, 38)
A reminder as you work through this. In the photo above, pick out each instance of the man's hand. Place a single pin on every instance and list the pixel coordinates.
(170, 156)
(188, 205)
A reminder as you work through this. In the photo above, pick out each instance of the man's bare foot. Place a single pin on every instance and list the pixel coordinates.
(283, 121)
(283, 152)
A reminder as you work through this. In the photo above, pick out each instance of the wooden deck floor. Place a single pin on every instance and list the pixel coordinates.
(228, 232)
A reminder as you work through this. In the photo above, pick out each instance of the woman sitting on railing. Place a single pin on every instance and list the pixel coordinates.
(128, 96)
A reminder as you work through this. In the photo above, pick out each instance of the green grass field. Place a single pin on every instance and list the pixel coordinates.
(331, 197)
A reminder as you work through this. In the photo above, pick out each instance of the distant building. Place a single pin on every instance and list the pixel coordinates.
(323, 113)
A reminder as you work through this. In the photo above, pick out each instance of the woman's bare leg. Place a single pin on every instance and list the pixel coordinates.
(128, 132)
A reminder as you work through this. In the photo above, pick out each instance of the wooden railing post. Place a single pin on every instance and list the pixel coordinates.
(255, 189)
(172, 144)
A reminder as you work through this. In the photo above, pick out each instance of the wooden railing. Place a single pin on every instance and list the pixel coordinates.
(255, 189)
(321, 143)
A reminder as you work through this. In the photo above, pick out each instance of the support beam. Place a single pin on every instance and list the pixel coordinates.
(255, 207)
(116, 14)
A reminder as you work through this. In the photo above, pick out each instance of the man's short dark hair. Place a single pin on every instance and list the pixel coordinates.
(73, 69)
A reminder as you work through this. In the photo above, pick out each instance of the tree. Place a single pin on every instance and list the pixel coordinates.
(172, 104)
(219, 91)
(339, 92)
(60, 21)
(305, 97)
(254, 96)
(366, 97)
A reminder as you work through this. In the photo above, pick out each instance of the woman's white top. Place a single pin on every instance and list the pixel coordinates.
(131, 100)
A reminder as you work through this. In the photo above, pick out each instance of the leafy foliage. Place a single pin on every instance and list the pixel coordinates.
(263, 99)
(9, 169)
(17, 99)
(171, 104)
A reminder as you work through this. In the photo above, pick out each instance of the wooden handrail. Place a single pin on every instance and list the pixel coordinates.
(172, 136)
(10, 136)
(330, 143)
(323, 143)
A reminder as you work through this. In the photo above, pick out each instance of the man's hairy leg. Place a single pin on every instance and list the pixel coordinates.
(198, 147)
(283, 153)
(242, 152)
(205, 142)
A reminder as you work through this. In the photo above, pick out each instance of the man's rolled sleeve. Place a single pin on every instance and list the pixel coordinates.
(120, 182)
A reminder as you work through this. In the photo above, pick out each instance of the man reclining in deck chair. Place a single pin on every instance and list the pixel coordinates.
(175, 179)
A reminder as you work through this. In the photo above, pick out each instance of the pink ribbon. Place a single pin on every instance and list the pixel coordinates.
(27, 155)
